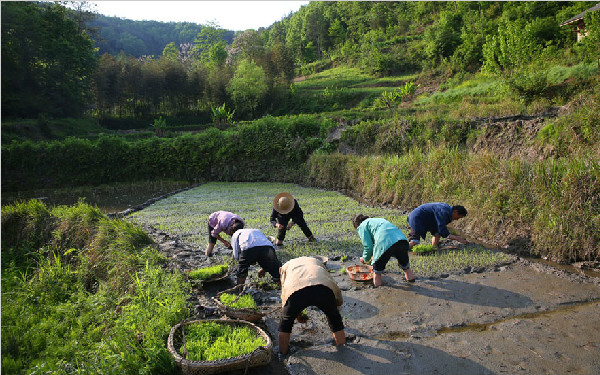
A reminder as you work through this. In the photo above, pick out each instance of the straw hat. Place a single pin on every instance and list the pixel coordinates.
(283, 203)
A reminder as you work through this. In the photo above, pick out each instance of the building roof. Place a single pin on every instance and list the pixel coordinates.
(580, 15)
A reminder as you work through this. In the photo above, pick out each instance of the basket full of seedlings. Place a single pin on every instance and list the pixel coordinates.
(214, 346)
(208, 274)
(237, 304)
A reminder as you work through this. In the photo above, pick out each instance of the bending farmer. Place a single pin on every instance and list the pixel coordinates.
(382, 240)
(251, 246)
(306, 282)
(433, 218)
(221, 221)
(286, 212)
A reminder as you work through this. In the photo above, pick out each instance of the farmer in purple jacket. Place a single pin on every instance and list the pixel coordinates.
(434, 218)
(221, 221)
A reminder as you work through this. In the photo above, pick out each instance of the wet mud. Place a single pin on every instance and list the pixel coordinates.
(526, 317)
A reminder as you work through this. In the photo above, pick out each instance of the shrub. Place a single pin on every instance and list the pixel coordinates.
(89, 297)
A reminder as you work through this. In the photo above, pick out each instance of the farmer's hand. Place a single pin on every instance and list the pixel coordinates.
(261, 273)
(227, 244)
(278, 226)
(362, 260)
(290, 225)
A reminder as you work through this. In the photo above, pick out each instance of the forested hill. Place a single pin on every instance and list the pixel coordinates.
(114, 35)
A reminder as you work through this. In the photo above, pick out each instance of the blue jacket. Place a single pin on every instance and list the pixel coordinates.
(431, 217)
(377, 236)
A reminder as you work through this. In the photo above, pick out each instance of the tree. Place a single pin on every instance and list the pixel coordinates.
(46, 63)
(443, 37)
(248, 86)
(247, 45)
(210, 36)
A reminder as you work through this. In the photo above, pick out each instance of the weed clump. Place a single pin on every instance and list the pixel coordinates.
(211, 341)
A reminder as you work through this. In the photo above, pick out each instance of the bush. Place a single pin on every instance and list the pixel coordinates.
(90, 297)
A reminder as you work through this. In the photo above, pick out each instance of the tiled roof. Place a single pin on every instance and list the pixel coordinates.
(580, 15)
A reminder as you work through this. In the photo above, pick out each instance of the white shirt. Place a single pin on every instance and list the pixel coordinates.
(244, 239)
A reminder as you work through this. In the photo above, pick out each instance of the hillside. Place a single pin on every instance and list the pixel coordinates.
(385, 100)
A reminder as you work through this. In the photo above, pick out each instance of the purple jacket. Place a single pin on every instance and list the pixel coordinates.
(220, 221)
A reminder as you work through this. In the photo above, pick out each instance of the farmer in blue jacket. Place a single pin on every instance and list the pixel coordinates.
(434, 218)
(381, 240)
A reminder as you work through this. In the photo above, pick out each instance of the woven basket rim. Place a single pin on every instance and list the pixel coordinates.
(219, 362)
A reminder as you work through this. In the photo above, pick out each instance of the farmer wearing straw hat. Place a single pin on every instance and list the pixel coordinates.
(305, 282)
(286, 212)
(382, 240)
(221, 221)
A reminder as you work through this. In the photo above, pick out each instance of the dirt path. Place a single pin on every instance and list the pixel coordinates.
(524, 318)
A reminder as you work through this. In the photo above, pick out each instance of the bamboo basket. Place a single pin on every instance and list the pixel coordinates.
(250, 315)
(259, 357)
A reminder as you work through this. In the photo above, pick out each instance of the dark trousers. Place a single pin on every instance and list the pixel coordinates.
(399, 250)
(298, 218)
(315, 295)
(263, 255)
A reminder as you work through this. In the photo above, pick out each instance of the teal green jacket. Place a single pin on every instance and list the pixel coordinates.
(377, 236)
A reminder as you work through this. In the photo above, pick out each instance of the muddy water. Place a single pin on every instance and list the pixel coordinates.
(108, 198)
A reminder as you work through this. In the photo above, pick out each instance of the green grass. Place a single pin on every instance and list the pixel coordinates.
(328, 214)
(452, 261)
(84, 294)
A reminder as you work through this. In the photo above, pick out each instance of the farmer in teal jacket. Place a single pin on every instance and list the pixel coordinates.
(381, 240)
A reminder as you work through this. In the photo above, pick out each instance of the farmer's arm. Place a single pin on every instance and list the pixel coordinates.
(367, 241)
(235, 243)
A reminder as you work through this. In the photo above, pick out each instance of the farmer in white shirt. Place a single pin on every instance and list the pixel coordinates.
(251, 246)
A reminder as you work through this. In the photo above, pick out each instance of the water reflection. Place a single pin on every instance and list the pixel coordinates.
(108, 198)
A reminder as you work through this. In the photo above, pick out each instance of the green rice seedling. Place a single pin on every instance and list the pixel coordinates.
(344, 258)
(245, 301)
(423, 249)
(205, 273)
(211, 341)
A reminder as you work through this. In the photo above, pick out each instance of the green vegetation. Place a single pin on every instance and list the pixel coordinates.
(209, 155)
(245, 301)
(423, 249)
(328, 214)
(491, 105)
(82, 293)
(449, 261)
(205, 273)
(211, 341)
